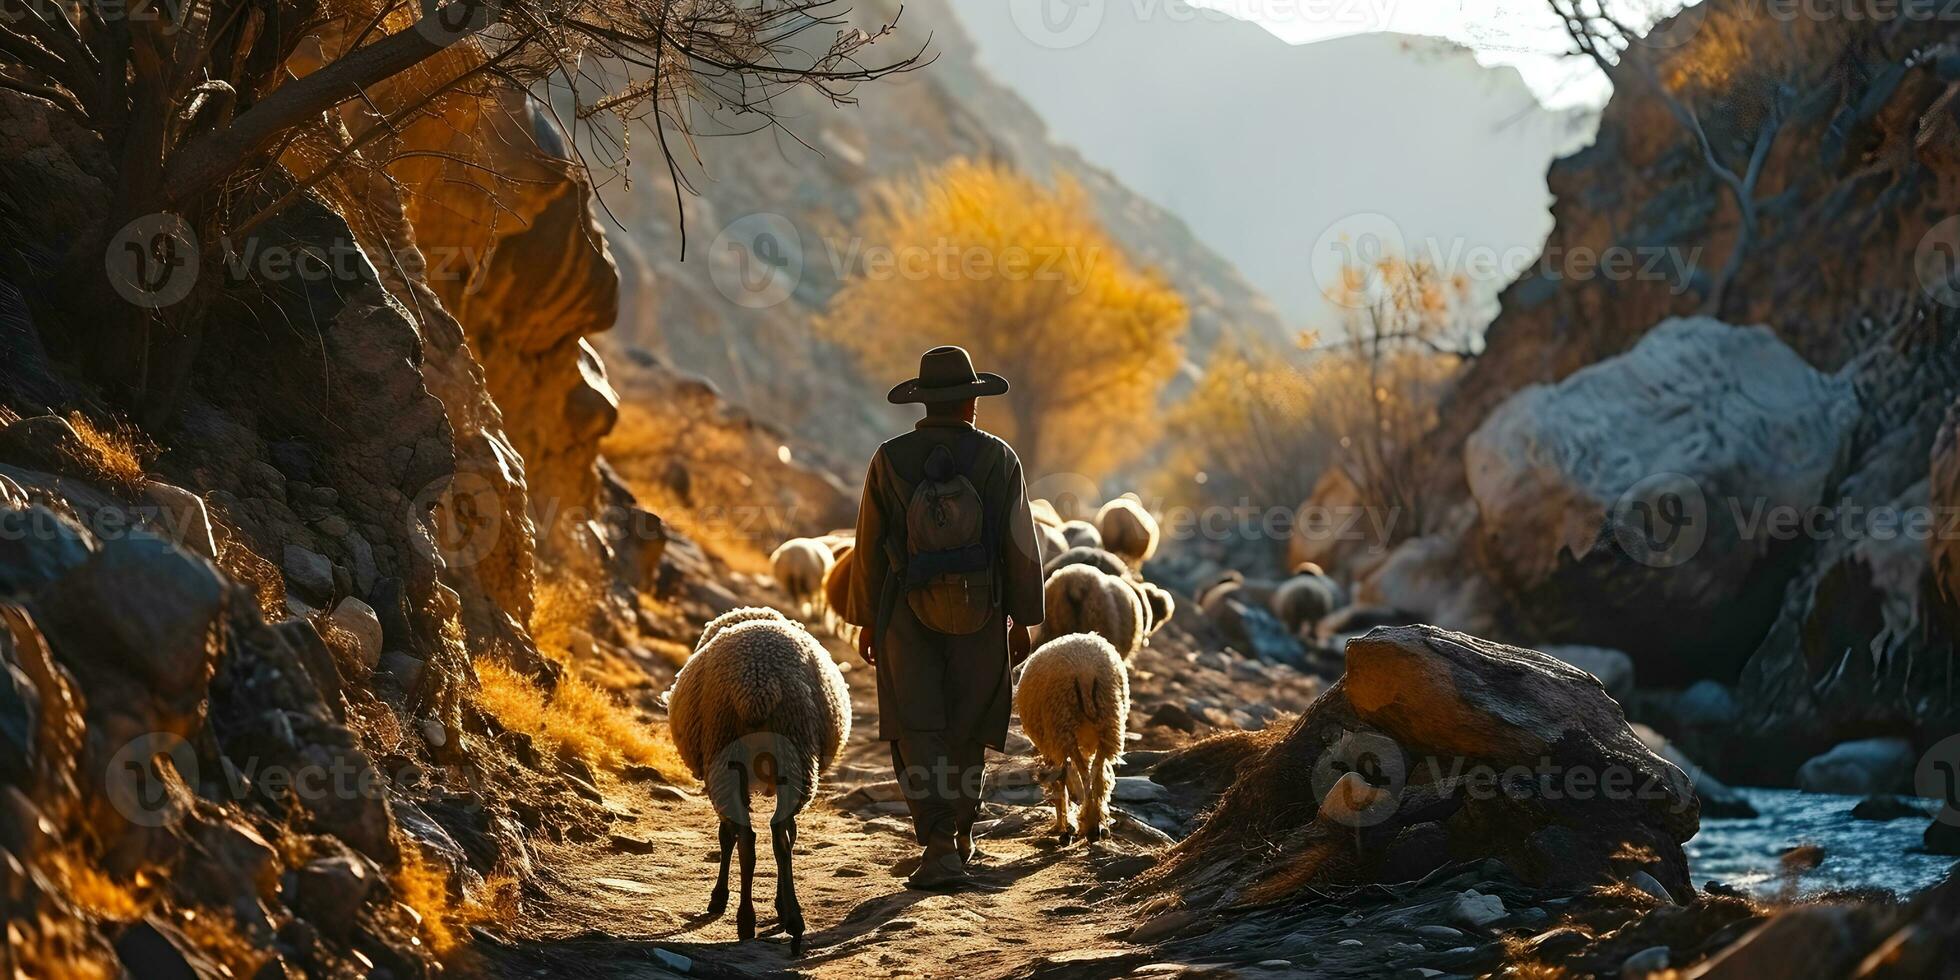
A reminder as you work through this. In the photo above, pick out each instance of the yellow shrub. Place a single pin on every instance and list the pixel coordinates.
(424, 888)
(115, 454)
(579, 720)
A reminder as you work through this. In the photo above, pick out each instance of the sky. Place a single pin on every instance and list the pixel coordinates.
(1279, 155)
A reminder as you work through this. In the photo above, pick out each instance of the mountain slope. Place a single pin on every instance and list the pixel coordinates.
(700, 314)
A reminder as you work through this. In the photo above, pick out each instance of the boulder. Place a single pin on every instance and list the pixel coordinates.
(361, 622)
(1517, 755)
(1718, 799)
(309, 571)
(1613, 668)
(1861, 768)
(1631, 502)
(1887, 806)
(182, 517)
(330, 891)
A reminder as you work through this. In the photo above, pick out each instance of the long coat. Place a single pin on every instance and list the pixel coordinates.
(929, 682)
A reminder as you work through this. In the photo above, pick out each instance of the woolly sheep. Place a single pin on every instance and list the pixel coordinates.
(1158, 605)
(1074, 702)
(799, 566)
(1044, 512)
(1303, 599)
(836, 584)
(759, 706)
(1082, 534)
(1097, 558)
(1082, 599)
(1127, 529)
(1049, 542)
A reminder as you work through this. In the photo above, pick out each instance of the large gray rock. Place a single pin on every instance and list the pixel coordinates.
(1861, 768)
(1634, 503)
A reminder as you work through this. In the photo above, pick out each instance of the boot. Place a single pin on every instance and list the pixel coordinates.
(940, 867)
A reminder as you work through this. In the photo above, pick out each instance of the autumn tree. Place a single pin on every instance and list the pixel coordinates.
(218, 114)
(1266, 424)
(1023, 277)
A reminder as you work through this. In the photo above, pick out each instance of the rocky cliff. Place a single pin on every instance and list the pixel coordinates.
(1784, 540)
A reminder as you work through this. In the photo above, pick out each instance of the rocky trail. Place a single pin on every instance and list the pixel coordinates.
(631, 904)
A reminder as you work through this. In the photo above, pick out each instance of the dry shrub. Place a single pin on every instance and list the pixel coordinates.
(650, 452)
(423, 887)
(262, 577)
(116, 453)
(579, 720)
(215, 934)
(564, 606)
(1052, 301)
(95, 893)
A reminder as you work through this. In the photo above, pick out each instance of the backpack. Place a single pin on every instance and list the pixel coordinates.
(949, 561)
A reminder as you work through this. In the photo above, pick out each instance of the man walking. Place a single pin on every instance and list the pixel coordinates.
(945, 581)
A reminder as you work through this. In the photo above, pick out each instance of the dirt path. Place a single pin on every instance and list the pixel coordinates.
(600, 910)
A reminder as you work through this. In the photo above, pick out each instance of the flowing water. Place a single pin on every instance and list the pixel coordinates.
(1857, 853)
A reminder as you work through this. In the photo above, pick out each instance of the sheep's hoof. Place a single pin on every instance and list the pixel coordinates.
(1093, 834)
(745, 923)
(1066, 837)
(717, 903)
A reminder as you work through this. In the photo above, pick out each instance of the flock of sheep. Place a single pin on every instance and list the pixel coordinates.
(761, 705)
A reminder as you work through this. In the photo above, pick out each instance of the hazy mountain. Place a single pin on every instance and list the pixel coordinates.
(1262, 146)
(805, 200)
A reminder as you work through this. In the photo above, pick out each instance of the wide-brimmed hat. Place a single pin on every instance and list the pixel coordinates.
(946, 375)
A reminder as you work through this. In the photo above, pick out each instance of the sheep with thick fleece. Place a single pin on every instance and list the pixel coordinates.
(1082, 534)
(1304, 598)
(1083, 599)
(799, 566)
(1044, 512)
(1128, 530)
(1049, 542)
(836, 587)
(1074, 703)
(1159, 604)
(1101, 560)
(759, 706)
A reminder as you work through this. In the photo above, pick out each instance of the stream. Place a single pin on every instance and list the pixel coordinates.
(1857, 853)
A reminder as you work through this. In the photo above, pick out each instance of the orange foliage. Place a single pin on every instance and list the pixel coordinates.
(1025, 279)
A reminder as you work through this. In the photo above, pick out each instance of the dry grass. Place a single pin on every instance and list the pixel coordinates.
(95, 893)
(579, 720)
(423, 887)
(564, 607)
(116, 454)
(244, 565)
(214, 933)
(735, 526)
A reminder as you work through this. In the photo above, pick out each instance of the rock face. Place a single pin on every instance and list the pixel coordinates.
(1635, 495)
(760, 188)
(1862, 768)
(1439, 746)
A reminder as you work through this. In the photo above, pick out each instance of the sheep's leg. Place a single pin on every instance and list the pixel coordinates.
(718, 899)
(745, 913)
(1059, 788)
(1095, 803)
(789, 912)
(1077, 770)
